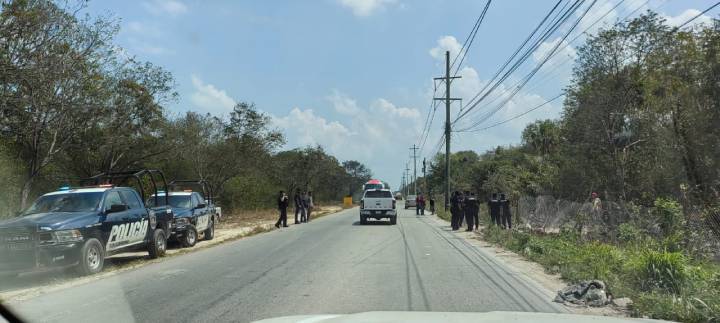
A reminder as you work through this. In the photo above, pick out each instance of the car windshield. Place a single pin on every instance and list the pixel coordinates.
(68, 202)
(378, 194)
(374, 186)
(181, 201)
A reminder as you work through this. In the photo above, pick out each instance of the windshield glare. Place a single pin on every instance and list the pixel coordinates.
(70, 202)
(181, 201)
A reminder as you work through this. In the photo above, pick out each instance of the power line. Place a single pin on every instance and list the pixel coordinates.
(698, 15)
(527, 78)
(553, 26)
(516, 116)
(466, 45)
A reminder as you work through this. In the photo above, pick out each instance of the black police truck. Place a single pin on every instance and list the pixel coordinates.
(193, 210)
(80, 226)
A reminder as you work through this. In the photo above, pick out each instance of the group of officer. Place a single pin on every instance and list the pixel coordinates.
(465, 205)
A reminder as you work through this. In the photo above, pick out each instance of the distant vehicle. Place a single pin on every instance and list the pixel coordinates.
(398, 196)
(80, 227)
(378, 204)
(193, 209)
(410, 201)
(373, 184)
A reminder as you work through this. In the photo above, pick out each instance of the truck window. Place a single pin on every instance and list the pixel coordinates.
(197, 200)
(132, 199)
(70, 202)
(378, 194)
(112, 198)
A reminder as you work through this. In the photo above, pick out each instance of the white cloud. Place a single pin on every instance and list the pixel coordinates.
(685, 16)
(445, 43)
(562, 53)
(364, 8)
(372, 134)
(165, 7)
(342, 103)
(208, 98)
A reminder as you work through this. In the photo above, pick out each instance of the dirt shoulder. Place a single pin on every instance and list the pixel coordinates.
(232, 227)
(530, 271)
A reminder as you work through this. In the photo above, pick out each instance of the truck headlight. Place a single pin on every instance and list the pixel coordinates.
(67, 236)
(181, 221)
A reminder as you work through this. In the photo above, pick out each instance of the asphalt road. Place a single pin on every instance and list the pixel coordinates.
(331, 265)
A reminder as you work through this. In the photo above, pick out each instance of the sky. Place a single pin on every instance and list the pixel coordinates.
(356, 76)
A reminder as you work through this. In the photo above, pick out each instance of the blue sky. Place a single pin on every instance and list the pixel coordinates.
(355, 76)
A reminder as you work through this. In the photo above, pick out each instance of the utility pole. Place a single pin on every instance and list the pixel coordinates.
(447, 100)
(414, 157)
(407, 187)
(427, 190)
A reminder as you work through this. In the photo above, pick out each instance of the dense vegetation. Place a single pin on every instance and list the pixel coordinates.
(640, 127)
(73, 104)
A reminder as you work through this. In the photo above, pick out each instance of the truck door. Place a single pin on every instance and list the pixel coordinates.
(125, 225)
(201, 214)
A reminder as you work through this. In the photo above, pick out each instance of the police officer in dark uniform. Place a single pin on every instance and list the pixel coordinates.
(476, 211)
(470, 204)
(455, 210)
(299, 207)
(506, 216)
(283, 202)
(494, 209)
(461, 215)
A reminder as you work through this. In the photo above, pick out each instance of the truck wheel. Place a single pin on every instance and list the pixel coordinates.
(210, 231)
(393, 220)
(158, 244)
(190, 237)
(92, 258)
(363, 220)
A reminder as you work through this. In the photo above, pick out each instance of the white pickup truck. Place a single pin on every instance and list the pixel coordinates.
(378, 204)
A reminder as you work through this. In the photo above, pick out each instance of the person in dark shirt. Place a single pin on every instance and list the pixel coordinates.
(469, 206)
(506, 215)
(299, 206)
(494, 209)
(283, 202)
(432, 205)
(455, 210)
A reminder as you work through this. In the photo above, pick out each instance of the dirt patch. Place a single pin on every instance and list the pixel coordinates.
(232, 227)
(532, 272)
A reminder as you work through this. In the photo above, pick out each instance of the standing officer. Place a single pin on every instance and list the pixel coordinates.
(506, 216)
(461, 216)
(494, 209)
(299, 207)
(476, 210)
(283, 202)
(469, 209)
(455, 210)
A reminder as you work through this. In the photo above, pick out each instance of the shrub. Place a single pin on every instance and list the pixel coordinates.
(669, 215)
(663, 270)
(629, 233)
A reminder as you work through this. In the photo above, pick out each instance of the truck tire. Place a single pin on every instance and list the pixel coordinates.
(363, 220)
(158, 244)
(393, 220)
(210, 231)
(92, 258)
(190, 237)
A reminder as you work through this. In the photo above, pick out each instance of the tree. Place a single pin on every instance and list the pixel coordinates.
(52, 78)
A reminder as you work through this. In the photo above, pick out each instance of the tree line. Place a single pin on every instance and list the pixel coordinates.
(73, 104)
(639, 122)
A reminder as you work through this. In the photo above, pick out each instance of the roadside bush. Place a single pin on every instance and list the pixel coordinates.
(629, 234)
(660, 270)
(669, 215)
(688, 308)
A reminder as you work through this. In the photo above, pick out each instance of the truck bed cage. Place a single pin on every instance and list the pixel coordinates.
(206, 187)
(119, 177)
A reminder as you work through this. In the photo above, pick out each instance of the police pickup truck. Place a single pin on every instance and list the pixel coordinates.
(378, 204)
(80, 227)
(193, 215)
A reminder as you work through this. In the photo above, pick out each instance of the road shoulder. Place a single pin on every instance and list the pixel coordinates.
(530, 272)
